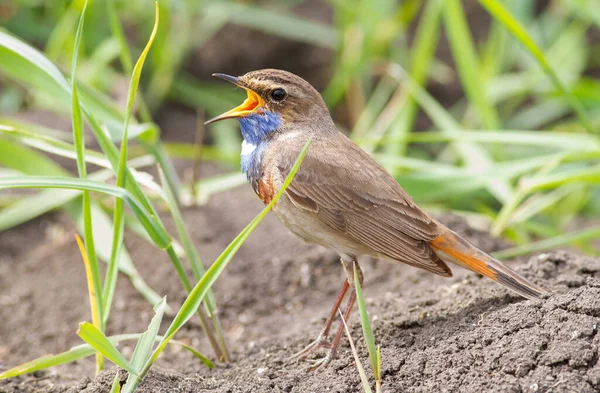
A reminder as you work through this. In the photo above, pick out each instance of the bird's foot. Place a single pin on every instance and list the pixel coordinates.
(320, 342)
(320, 364)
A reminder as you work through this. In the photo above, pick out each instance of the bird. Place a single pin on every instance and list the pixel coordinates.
(341, 197)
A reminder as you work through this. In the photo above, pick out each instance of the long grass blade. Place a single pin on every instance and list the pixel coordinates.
(150, 222)
(89, 251)
(116, 385)
(118, 221)
(21, 61)
(103, 227)
(85, 350)
(93, 336)
(588, 234)
(361, 370)
(198, 270)
(94, 303)
(467, 62)
(499, 12)
(422, 56)
(143, 348)
(472, 155)
(279, 23)
(366, 325)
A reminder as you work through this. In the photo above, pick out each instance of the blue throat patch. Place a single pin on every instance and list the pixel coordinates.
(255, 129)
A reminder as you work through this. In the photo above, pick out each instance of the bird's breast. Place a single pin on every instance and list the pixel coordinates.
(252, 162)
(265, 188)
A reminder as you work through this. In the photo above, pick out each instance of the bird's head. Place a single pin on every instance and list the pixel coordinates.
(275, 98)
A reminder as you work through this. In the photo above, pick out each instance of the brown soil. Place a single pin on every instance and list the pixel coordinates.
(463, 334)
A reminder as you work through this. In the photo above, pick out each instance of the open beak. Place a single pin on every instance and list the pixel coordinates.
(252, 103)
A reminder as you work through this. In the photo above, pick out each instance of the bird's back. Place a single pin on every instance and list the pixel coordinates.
(343, 199)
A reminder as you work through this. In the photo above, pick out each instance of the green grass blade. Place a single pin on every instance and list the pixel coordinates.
(589, 234)
(366, 325)
(590, 175)
(206, 361)
(116, 386)
(275, 22)
(375, 105)
(93, 336)
(50, 144)
(194, 299)
(198, 269)
(497, 10)
(361, 370)
(119, 35)
(26, 64)
(20, 158)
(537, 203)
(143, 348)
(467, 62)
(30, 207)
(76, 119)
(22, 61)
(78, 138)
(27, 161)
(83, 351)
(153, 146)
(118, 221)
(75, 353)
(150, 222)
(103, 228)
(422, 56)
(95, 305)
(472, 155)
(541, 139)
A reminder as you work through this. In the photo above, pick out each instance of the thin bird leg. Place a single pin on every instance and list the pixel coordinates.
(349, 268)
(321, 340)
(321, 363)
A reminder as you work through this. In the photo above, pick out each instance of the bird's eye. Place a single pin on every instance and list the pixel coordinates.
(278, 94)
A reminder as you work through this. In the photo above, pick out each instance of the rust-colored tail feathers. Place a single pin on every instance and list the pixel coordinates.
(452, 248)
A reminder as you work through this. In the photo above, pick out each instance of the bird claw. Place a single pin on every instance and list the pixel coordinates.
(320, 364)
(320, 342)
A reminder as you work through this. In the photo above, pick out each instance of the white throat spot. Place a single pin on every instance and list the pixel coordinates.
(247, 148)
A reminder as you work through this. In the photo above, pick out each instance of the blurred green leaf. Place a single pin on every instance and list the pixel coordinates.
(274, 21)
(497, 10)
(467, 62)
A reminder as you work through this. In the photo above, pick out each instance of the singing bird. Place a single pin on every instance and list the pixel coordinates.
(341, 198)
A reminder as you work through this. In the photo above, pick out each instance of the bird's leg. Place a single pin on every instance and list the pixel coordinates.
(349, 268)
(321, 340)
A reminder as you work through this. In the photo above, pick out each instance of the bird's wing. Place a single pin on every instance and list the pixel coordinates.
(349, 191)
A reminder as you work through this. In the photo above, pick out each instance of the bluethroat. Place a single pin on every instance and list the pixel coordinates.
(341, 198)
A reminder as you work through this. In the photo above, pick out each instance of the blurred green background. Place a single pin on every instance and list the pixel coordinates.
(488, 109)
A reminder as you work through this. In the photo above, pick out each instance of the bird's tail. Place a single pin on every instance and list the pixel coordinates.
(452, 248)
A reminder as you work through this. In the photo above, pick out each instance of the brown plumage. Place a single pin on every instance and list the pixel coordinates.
(341, 198)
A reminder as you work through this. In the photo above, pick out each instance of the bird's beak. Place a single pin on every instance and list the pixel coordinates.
(250, 105)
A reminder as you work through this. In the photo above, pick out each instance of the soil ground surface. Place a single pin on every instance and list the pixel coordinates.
(459, 334)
